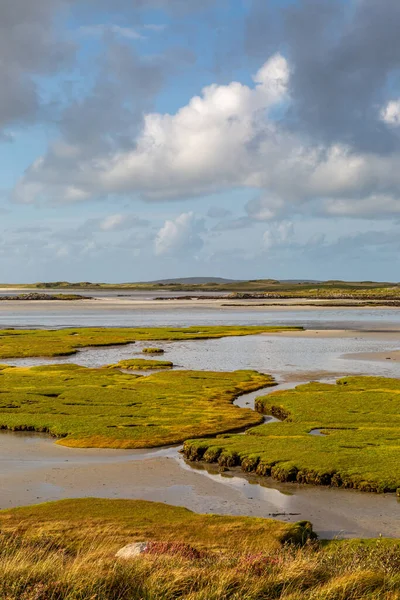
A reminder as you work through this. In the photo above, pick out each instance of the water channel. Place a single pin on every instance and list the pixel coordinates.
(35, 469)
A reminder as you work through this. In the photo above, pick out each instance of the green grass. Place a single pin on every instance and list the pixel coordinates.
(254, 285)
(66, 551)
(107, 408)
(153, 351)
(124, 521)
(360, 417)
(64, 342)
(142, 364)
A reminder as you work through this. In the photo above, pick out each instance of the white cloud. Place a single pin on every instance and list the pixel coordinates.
(179, 236)
(390, 114)
(230, 137)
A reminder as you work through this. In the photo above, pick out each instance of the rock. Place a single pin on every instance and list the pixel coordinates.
(132, 550)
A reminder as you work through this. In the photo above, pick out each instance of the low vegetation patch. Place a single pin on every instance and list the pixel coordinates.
(107, 408)
(36, 296)
(360, 422)
(66, 551)
(153, 351)
(17, 343)
(142, 364)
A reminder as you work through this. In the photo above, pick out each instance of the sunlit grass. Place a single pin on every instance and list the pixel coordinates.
(360, 448)
(142, 364)
(107, 408)
(64, 342)
(153, 351)
(66, 551)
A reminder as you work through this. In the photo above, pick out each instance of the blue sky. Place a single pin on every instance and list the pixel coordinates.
(142, 139)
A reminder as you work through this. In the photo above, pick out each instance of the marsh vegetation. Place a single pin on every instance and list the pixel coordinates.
(105, 408)
(20, 343)
(359, 418)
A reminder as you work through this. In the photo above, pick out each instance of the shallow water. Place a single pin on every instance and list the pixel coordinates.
(34, 470)
(131, 312)
(283, 357)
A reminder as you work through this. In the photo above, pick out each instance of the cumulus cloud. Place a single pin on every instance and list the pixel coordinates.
(228, 137)
(314, 133)
(179, 236)
(390, 114)
(174, 155)
(345, 56)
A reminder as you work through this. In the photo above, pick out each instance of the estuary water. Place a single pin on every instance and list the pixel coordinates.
(138, 309)
(285, 357)
(34, 469)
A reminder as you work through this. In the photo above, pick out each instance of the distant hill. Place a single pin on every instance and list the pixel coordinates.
(300, 281)
(193, 281)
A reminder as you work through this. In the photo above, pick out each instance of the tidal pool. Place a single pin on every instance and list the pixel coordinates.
(34, 470)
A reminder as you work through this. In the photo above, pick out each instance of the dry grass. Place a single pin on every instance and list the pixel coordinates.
(46, 554)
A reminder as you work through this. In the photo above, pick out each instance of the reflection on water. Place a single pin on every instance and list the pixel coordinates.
(34, 470)
(128, 311)
(280, 356)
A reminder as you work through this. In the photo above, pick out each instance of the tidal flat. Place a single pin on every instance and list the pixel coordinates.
(291, 355)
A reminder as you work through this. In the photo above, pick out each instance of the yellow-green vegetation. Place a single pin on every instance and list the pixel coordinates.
(153, 351)
(125, 521)
(142, 364)
(253, 285)
(105, 408)
(360, 448)
(363, 290)
(19, 343)
(66, 551)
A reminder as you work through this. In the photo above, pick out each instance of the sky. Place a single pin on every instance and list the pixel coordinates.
(247, 139)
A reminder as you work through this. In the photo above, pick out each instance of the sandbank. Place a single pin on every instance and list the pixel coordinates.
(392, 355)
(138, 302)
(381, 334)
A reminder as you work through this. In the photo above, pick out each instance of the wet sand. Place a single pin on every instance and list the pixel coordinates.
(392, 334)
(35, 470)
(100, 302)
(393, 355)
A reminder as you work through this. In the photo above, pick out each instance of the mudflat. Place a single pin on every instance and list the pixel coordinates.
(35, 470)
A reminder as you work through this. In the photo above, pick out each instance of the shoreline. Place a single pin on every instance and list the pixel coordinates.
(100, 302)
(37, 470)
(164, 476)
